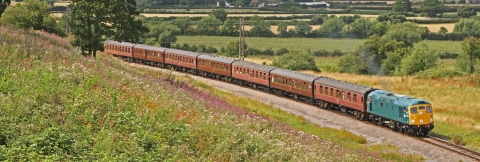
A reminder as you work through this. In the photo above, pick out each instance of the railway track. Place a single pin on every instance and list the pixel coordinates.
(429, 139)
(451, 147)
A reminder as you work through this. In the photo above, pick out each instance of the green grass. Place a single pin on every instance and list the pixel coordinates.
(314, 44)
(276, 43)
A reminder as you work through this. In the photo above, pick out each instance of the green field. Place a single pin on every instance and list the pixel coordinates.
(314, 44)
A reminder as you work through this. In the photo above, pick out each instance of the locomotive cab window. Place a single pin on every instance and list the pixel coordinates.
(429, 109)
(413, 110)
(421, 107)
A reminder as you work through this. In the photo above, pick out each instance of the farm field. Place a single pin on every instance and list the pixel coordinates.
(314, 44)
(436, 27)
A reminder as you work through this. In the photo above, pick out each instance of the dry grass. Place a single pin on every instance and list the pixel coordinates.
(436, 27)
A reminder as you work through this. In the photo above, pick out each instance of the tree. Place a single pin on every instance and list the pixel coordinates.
(317, 20)
(208, 25)
(260, 28)
(282, 29)
(471, 53)
(402, 6)
(3, 5)
(92, 21)
(443, 30)
(408, 33)
(431, 7)
(296, 60)
(32, 14)
(331, 25)
(470, 26)
(421, 59)
(162, 35)
(230, 27)
(393, 18)
(183, 23)
(302, 29)
(466, 12)
(220, 14)
(362, 27)
(232, 49)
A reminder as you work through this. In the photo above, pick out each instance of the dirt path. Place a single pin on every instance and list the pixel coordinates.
(324, 118)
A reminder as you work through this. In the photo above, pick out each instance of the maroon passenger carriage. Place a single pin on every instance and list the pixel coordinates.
(293, 84)
(215, 66)
(252, 74)
(149, 55)
(119, 49)
(348, 97)
(181, 60)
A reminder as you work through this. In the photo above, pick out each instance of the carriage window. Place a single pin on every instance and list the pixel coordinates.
(321, 89)
(343, 95)
(338, 93)
(348, 96)
(413, 110)
(354, 97)
(331, 91)
(429, 109)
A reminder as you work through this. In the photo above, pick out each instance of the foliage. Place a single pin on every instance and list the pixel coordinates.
(220, 14)
(91, 22)
(466, 11)
(32, 14)
(431, 7)
(208, 25)
(439, 72)
(419, 60)
(232, 49)
(260, 28)
(370, 57)
(402, 6)
(183, 23)
(281, 51)
(302, 29)
(469, 26)
(331, 25)
(282, 30)
(471, 53)
(393, 18)
(362, 26)
(230, 27)
(162, 35)
(317, 19)
(407, 32)
(3, 5)
(295, 60)
(443, 30)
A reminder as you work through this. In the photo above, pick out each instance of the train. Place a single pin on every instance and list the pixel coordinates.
(399, 112)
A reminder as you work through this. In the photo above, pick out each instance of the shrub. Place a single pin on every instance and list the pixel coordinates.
(439, 72)
(296, 60)
(282, 51)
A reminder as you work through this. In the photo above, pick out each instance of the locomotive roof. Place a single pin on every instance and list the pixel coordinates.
(397, 99)
(182, 52)
(118, 43)
(252, 65)
(343, 85)
(294, 74)
(216, 58)
(147, 47)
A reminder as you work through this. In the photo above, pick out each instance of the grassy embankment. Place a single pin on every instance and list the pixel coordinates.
(457, 110)
(57, 105)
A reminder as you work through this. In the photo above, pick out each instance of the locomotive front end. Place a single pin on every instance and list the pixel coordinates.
(421, 118)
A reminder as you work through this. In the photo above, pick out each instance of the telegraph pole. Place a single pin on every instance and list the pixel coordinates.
(241, 39)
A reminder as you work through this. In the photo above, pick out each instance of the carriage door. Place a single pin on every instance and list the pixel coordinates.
(369, 103)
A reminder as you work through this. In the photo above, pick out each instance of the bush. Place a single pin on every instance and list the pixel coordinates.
(282, 51)
(296, 60)
(439, 72)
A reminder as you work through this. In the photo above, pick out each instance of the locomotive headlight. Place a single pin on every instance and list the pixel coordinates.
(431, 120)
(421, 120)
(413, 120)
